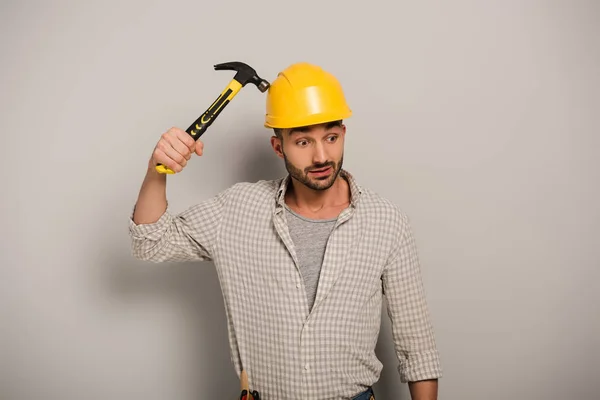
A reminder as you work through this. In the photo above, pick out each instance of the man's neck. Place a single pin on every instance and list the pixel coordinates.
(307, 200)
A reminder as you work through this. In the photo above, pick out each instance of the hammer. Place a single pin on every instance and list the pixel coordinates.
(245, 74)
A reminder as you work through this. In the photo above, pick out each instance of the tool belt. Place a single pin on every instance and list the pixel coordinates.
(254, 395)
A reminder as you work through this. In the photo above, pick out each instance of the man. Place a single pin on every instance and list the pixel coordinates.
(303, 261)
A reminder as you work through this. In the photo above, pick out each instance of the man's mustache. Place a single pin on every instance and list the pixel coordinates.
(320, 166)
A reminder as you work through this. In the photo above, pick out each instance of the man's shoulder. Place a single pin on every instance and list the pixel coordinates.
(381, 208)
(262, 186)
(256, 191)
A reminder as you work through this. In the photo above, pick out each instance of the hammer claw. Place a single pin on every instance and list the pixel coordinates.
(232, 65)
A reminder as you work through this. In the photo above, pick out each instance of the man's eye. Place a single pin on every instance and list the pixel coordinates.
(301, 143)
(332, 138)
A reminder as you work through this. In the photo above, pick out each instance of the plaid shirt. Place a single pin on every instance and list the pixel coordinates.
(287, 351)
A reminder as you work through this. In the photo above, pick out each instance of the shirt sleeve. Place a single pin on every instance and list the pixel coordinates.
(188, 236)
(412, 330)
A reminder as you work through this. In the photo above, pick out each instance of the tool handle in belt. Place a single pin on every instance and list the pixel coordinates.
(246, 395)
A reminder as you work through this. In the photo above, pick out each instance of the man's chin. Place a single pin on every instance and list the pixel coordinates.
(319, 184)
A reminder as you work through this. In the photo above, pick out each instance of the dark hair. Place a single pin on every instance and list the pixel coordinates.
(279, 131)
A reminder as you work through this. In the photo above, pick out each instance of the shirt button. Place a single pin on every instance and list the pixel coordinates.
(297, 286)
(306, 367)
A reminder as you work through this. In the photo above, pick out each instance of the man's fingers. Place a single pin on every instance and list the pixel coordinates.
(175, 148)
(171, 153)
(161, 157)
(199, 149)
(180, 146)
(185, 138)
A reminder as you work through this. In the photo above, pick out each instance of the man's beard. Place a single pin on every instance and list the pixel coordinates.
(315, 183)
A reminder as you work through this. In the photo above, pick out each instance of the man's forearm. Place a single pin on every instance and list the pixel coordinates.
(152, 198)
(424, 390)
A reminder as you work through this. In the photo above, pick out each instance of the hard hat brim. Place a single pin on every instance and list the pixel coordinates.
(314, 119)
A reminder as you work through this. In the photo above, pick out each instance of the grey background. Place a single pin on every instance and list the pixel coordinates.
(479, 118)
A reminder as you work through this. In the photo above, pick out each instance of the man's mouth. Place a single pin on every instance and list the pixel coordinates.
(320, 171)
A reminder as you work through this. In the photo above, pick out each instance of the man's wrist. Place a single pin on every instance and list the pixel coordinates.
(151, 172)
(424, 390)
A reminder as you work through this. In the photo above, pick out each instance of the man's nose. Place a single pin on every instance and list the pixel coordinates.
(319, 154)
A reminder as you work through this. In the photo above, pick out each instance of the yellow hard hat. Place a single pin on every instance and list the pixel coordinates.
(304, 94)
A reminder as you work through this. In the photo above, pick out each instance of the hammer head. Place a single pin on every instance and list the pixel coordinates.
(245, 74)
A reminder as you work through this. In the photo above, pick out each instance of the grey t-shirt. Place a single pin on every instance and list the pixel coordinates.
(310, 238)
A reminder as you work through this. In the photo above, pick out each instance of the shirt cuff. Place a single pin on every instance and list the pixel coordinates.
(420, 366)
(153, 230)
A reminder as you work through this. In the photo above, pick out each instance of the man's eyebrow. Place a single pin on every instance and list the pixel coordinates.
(300, 129)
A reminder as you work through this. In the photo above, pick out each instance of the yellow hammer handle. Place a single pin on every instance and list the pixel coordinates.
(205, 120)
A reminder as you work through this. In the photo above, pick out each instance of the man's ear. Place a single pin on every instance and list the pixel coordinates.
(277, 146)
